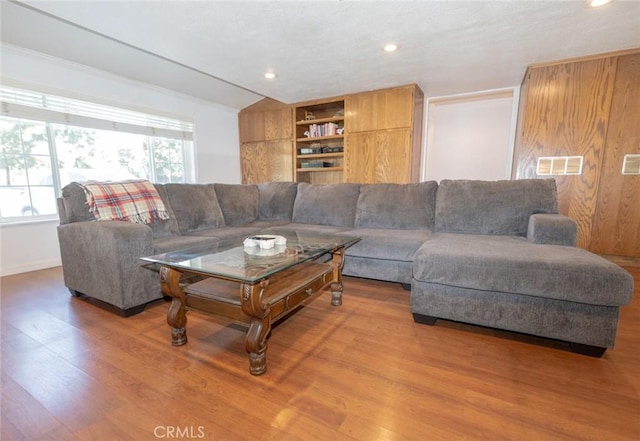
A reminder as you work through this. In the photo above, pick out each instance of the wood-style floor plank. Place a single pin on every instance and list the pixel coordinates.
(361, 371)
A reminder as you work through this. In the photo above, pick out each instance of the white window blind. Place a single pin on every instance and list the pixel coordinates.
(18, 103)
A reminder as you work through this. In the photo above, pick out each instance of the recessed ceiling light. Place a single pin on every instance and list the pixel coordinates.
(596, 3)
(269, 75)
(391, 47)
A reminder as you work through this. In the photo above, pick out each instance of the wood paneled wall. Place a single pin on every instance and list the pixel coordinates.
(616, 228)
(587, 108)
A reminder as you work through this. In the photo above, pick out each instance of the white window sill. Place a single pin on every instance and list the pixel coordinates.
(12, 222)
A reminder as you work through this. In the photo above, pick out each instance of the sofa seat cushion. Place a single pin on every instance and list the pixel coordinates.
(239, 203)
(195, 206)
(511, 264)
(378, 269)
(401, 206)
(326, 204)
(380, 243)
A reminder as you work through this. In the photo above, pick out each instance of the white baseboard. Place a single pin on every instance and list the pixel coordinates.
(31, 266)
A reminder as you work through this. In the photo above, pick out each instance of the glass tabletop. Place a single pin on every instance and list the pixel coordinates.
(233, 260)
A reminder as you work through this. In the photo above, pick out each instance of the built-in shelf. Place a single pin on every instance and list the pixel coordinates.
(319, 169)
(319, 138)
(321, 155)
(306, 122)
(316, 119)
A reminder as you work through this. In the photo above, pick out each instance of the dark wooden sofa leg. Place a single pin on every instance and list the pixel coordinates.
(75, 293)
(128, 312)
(591, 351)
(131, 311)
(424, 319)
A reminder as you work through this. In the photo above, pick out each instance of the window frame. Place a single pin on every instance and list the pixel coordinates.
(176, 129)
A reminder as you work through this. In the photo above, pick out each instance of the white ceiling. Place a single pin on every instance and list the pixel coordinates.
(219, 51)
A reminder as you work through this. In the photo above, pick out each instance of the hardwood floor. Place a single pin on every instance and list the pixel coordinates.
(361, 371)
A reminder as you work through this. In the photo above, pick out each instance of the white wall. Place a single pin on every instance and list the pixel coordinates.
(26, 247)
(470, 136)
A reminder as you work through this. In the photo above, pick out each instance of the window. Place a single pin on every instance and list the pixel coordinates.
(49, 141)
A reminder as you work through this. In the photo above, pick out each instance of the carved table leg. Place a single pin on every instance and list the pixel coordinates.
(260, 327)
(337, 262)
(336, 293)
(176, 315)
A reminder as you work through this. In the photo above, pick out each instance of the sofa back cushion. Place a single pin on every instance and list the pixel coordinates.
(167, 227)
(73, 207)
(239, 203)
(398, 206)
(74, 203)
(276, 200)
(326, 204)
(195, 206)
(492, 207)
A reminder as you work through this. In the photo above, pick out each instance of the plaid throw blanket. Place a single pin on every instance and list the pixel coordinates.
(133, 201)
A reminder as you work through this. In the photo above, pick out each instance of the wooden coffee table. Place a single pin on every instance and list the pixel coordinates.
(269, 283)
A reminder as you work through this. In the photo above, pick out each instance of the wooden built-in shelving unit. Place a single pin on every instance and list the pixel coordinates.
(319, 143)
(366, 137)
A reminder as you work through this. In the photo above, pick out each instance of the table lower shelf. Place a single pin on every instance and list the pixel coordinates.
(284, 292)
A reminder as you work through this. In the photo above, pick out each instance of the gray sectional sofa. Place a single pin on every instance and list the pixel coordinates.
(494, 254)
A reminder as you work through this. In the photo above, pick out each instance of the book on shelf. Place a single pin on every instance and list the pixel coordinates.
(314, 150)
(310, 150)
(326, 129)
(315, 164)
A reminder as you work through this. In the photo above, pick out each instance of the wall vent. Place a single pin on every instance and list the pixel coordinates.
(559, 165)
(631, 165)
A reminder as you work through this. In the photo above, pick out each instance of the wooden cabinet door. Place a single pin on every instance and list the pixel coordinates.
(393, 163)
(266, 125)
(616, 228)
(251, 126)
(382, 156)
(278, 124)
(360, 158)
(266, 161)
(379, 110)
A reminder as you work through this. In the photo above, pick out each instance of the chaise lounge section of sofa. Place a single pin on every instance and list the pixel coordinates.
(495, 254)
(494, 260)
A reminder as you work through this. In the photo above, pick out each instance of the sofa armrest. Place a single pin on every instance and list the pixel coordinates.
(102, 260)
(552, 229)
